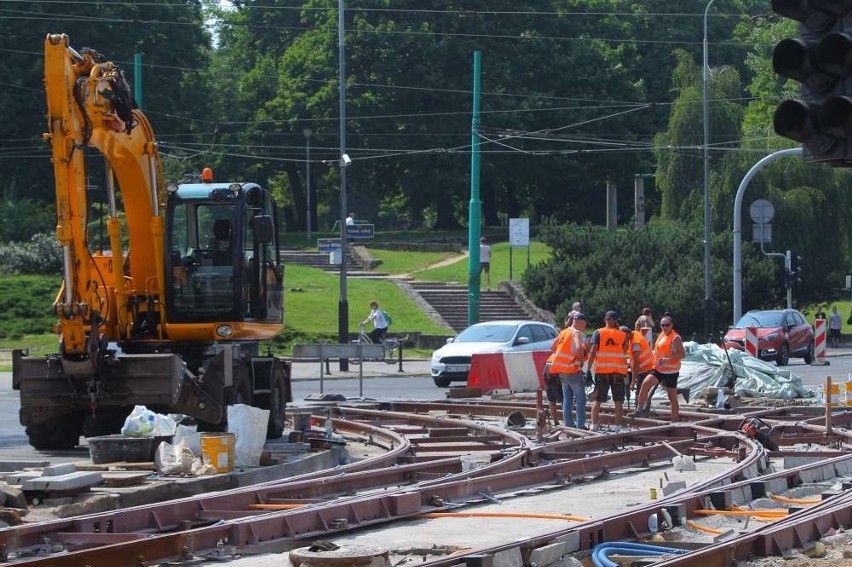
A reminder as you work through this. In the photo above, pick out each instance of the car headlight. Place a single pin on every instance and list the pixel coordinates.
(771, 337)
(728, 339)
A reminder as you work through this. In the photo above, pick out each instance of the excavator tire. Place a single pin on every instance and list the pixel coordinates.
(106, 421)
(275, 401)
(56, 434)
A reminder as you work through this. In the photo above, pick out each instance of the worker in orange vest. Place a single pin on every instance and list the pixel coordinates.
(668, 352)
(608, 363)
(640, 359)
(569, 355)
(552, 386)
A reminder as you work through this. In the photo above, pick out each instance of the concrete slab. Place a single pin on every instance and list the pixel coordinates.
(11, 466)
(72, 481)
(18, 477)
(59, 469)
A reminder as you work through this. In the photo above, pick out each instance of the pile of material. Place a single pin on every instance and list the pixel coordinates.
(709, 366)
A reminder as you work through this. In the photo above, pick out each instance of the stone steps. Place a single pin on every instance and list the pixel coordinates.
(450, 301)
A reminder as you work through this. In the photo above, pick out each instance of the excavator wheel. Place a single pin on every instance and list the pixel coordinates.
(56, 434)
(275, 401)
(106, 421)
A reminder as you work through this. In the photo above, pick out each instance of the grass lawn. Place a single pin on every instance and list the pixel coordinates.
(312, 297)
(500, 252)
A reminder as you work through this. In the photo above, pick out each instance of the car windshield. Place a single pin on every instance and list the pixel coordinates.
(761, 319)
(486, 334)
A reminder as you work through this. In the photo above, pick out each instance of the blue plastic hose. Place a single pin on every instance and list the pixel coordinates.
(602, 551)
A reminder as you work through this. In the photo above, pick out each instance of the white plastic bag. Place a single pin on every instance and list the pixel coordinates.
(190, 436)
(142, 422)
(248, 424)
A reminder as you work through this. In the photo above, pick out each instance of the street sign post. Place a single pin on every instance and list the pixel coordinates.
(359, 231)
(328, 244)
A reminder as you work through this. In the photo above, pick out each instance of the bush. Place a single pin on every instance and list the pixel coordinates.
(26, 305)
(40, 255)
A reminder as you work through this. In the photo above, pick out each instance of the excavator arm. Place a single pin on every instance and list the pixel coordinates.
(90, 106)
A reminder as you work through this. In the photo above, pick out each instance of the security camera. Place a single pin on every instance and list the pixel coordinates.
(347, 161)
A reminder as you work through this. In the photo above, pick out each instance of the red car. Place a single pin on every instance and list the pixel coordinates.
(781, 334)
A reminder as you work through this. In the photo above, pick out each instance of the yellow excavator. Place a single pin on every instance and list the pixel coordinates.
(170, 314)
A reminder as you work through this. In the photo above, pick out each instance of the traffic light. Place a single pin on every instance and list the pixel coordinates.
(821, 59)
(794, 274)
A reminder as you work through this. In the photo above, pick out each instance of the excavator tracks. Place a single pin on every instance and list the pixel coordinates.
(440, 462)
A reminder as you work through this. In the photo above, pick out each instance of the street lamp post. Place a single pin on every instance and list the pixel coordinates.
(307, 132)
(708, 274)
(343, 305)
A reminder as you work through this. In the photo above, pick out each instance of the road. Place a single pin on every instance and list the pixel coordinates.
(381, 381)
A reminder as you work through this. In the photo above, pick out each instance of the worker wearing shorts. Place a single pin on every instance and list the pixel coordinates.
(608, 361)
(668, 352)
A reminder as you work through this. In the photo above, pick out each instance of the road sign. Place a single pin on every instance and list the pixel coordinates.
(761, 211)
(519, 232)
(328, 244)
(359, 230)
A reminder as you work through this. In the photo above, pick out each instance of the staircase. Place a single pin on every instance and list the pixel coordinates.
(318, 260)
(450, 302)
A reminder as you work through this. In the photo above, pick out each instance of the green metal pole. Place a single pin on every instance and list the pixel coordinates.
(475, 204)
(137, 75)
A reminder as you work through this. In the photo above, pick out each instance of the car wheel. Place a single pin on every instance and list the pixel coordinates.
(783, 355)
(809, 355)
(442, 382)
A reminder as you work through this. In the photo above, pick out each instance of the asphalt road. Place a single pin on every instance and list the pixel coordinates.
(375, 380)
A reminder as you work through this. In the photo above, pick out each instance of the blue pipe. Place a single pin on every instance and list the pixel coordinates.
(602, 551)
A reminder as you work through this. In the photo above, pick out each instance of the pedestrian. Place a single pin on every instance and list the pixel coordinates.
(668, 352)
(350, 220)
(640, 360)
(577, 307)
(608, 365)
(644, 320)
(834, 326)
(552, 385)
(485, 260)
(820, 314)
(380, 322)
(568, 362)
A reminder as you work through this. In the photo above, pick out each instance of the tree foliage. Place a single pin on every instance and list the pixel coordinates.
(660, 267)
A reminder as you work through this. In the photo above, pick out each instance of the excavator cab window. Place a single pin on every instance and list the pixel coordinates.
(223, 264)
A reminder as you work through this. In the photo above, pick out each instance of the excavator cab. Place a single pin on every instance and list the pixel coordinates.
(223, 266)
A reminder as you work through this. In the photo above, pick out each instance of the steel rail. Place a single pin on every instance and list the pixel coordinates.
(222, 521)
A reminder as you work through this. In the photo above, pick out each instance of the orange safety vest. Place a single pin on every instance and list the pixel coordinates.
(565, 360)
(663, 349)
(646, 357)
(611, 358)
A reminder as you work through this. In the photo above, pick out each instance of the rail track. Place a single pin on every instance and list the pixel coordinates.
(416, 468)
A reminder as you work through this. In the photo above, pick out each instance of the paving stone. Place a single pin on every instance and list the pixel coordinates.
(70, 481)
(59, 469)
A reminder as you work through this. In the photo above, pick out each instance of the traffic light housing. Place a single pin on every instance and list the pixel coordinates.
(794, 274)
(821, 60)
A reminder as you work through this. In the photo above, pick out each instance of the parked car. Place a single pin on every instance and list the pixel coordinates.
(451, 362)
(781, 334)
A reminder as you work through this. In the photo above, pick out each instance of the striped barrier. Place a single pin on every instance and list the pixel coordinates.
(513, 371)
(819, 343)
(751, 341)
(648, 333)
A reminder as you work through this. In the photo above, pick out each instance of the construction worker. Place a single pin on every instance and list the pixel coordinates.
(568, 362)
(552, 385)
(668, 352)
(608, 364)
(640, 358)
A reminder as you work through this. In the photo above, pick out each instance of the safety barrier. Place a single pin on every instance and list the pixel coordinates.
(819, 343)
(513, 371)
(751, 341)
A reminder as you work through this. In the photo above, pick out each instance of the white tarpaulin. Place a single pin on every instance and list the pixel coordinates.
(707, 366)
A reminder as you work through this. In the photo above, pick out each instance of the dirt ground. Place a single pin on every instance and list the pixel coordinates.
(832, 551)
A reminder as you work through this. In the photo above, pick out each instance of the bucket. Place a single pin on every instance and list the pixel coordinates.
(848, 392)
(652, 493)
(217, 450)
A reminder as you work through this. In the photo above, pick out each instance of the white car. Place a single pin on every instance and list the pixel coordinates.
(451, 362)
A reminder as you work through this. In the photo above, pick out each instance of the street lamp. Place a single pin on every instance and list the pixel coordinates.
(307, 132)
(708, 274)
(343, 305)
